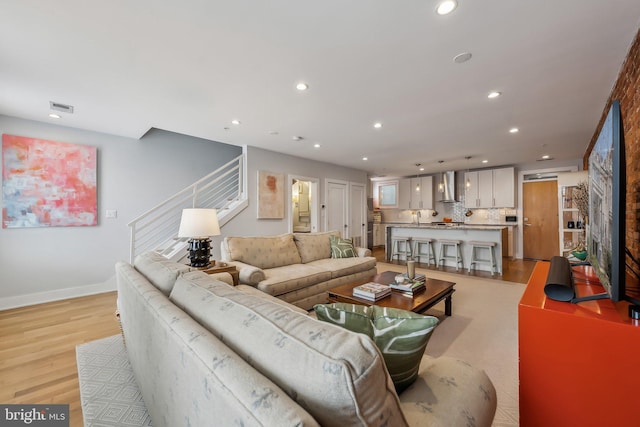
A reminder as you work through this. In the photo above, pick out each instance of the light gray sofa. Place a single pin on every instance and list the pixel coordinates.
(206, 353)
(295, 267)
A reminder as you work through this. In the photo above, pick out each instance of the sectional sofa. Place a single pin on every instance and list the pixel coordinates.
(295, 267)
(206, 353)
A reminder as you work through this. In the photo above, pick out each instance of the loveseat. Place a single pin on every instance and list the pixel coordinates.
(205, 353)
(296, 267)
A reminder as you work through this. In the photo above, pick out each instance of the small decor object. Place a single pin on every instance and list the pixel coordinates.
(411, 269)
(270, 195)
(399, 278)
(199, 225)
(48, 183)
(571, 224)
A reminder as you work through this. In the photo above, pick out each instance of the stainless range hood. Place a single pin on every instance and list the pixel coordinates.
(447, 187)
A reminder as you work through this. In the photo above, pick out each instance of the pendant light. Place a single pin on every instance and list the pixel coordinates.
(467, 184)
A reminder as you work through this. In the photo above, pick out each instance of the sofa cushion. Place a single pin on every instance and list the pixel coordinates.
(344, 266)
(341, 248)
(263, 252)
(314, 246)
(158, 270)
(339, 377)
(281, 280)
(250, 290)
(401, 335)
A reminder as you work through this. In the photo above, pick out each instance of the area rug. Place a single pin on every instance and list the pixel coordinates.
(109, 394)
(483, 331)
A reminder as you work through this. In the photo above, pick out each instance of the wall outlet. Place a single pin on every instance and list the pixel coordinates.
(111, 213)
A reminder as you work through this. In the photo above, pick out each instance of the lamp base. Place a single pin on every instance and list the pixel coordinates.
(200, 252)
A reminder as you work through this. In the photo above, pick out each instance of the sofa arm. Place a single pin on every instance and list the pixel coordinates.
(248, 274)
(362, 252)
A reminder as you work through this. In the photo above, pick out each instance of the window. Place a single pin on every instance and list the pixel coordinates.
(388, 194)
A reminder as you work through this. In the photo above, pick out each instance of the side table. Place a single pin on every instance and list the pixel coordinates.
(221, 267)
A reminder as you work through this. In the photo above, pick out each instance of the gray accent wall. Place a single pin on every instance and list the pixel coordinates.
(46, 264)
(49, 263)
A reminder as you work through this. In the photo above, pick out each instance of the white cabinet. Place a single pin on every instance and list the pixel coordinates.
(404, 194)
(504, 188)
(490, 188)
(378, 235)
(421, 193)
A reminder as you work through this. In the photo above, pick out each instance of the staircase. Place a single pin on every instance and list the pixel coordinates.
(224, 189)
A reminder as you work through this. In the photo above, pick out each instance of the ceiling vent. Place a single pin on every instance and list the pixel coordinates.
(61, 107)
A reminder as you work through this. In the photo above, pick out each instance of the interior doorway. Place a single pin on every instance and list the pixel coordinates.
(303, 195)
(540, 219)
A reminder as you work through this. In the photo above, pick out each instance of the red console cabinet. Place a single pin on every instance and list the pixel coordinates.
(579, 363)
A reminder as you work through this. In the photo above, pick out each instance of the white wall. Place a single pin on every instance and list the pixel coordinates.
(39, 264)
(247, 224)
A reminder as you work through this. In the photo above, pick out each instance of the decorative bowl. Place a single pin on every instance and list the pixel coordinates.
(581, 255)
(446, 219)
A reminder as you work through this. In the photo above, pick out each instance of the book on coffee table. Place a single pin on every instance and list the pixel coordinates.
(371, 291)
(408, 286)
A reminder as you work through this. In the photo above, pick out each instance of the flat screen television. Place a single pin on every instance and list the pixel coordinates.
(607, 207)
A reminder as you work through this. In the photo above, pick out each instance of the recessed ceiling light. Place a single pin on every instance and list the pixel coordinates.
(235, 122)
(365, 158)
(54, 116)
(421, 169)
(446, 7)
(494, 94)
(514, 130)
(316, 145)
(302, 86)
(377, 125)
(297, 138)
(463, 57)
(546, 156)
(485, 161)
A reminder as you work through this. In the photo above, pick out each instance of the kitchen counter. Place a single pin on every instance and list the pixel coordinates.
(463, 232)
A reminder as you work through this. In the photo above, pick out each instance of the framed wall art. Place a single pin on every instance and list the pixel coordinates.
(48, 183)
(270, 195)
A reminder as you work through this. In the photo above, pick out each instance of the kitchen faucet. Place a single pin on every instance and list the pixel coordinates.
(418, 214)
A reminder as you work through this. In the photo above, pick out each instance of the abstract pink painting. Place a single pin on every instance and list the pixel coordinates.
(48, 183)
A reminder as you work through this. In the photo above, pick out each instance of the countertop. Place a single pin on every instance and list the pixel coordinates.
(446, 227)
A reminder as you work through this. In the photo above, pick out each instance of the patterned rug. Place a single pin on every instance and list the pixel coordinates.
(108, 391)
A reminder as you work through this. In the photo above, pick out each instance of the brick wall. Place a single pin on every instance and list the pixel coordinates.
(627, 91)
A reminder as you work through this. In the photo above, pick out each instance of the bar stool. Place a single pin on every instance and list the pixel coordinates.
(475, 259)
(418, 242)
(401, 246)
(444, 244)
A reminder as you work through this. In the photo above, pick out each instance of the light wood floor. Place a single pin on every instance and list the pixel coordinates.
(513, 270)
(37, 343)
(38, 349)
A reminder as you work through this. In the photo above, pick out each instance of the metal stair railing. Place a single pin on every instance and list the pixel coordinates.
(224, 189)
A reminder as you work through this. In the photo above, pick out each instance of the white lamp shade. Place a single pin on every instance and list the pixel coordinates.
(199, 223)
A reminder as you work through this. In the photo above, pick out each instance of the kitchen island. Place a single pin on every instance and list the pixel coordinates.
(464, 233)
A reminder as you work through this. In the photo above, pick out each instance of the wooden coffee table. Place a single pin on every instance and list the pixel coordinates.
(437, 290)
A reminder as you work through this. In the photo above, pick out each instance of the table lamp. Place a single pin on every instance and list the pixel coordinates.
(199, 225)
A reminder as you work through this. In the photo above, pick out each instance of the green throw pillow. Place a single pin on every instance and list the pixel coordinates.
(341, 248)
(401, 335)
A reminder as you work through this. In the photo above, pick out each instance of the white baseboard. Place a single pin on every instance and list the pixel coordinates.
(58, 294)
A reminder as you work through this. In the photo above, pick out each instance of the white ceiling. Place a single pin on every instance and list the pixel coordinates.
(193, 66)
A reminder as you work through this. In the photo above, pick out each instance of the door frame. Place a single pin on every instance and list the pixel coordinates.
(519, 244)
(314, 191)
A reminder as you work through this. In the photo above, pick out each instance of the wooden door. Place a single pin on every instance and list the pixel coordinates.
(540, 219)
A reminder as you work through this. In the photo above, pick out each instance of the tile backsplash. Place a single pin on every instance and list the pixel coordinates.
(455, 210)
